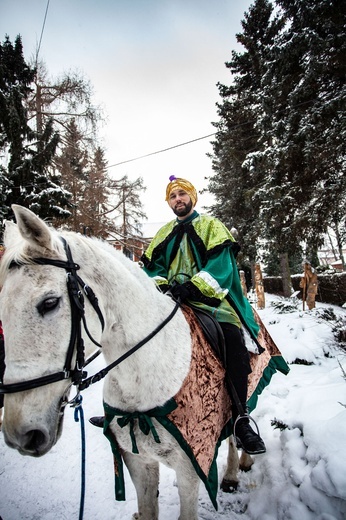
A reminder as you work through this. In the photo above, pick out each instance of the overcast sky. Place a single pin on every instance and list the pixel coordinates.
(154, 66)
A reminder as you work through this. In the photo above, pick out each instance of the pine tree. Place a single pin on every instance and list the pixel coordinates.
(127, 210)
(231, 185)
(295, 86)
(234, 185)
(93, 201)
(71, 165)
(305, 89)
(27, 153)
(94, 205)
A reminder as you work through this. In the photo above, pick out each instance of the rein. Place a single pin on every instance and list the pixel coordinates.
(102, 373)
(78, 375)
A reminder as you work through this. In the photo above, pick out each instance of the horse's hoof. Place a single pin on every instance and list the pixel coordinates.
(245, 468)
(229, 486)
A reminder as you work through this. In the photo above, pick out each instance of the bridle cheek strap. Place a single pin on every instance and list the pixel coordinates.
(77, 317)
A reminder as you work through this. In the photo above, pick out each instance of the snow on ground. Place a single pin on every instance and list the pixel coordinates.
(301, 477)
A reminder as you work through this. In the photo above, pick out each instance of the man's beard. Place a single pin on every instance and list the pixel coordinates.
(183, 210)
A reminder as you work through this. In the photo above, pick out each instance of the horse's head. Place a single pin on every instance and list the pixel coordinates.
(36, 316)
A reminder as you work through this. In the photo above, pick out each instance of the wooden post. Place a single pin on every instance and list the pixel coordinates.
(243, 283)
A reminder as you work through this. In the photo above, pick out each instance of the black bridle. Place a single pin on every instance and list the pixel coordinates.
(77, 375)
(76, 297)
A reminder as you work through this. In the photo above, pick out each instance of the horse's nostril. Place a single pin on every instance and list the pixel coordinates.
(35, 441)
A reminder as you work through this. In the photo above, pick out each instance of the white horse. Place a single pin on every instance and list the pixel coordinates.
(37, 322)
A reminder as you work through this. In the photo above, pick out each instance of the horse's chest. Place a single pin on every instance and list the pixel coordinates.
(148, 448)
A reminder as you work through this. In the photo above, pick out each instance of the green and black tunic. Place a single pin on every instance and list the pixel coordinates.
(200, 252)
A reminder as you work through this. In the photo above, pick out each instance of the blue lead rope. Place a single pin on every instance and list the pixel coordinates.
(79, 410)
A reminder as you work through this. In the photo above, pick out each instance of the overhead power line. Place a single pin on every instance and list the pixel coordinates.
(231, 127)
(161, 151)
(43, 26)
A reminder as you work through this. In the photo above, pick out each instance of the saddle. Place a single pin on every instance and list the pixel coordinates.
(212, 332)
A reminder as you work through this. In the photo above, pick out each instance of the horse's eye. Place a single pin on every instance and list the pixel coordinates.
(47, 305)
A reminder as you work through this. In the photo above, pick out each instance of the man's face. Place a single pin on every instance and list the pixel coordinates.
(180, 203)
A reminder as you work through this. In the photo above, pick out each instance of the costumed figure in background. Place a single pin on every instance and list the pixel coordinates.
(193, 258)
(309, 284)
(259, 287)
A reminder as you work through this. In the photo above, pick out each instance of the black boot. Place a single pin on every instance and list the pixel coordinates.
(97, 421)
(238, 368)
(247, 439)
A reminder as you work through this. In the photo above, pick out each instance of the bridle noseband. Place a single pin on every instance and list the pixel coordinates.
(76, 297)
(77, 374)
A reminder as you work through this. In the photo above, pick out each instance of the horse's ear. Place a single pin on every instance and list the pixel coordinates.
(32, 228)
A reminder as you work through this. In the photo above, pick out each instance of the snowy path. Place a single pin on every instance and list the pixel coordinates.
(301, 477)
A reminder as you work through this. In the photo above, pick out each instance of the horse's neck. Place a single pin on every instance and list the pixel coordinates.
(133, 309)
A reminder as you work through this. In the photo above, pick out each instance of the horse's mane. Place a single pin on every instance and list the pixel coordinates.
(130, 266)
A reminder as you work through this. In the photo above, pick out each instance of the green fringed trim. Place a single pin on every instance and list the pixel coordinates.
(146, 426)
(211, 480)
(160, 414)
(275, 363)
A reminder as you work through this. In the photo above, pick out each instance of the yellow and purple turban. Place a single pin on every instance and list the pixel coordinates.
(182, 184)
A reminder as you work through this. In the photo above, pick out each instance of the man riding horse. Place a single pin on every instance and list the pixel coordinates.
(193, 257)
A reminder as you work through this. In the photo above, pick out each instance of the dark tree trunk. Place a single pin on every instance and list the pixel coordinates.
(286, 275)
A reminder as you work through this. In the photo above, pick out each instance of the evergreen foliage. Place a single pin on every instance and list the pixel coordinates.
(51, 161)
(127, 210)
(279, 153)
(99, 206)
(237, 131)
(71, 165)
(304, 86)
(26, 153)
(94, 206)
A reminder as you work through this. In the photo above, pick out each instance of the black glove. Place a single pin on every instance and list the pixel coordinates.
(180, 292)
(164, 287)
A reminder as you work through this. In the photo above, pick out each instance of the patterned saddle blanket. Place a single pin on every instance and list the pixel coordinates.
(199, 415)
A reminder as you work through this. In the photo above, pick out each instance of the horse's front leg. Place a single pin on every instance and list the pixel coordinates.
(188, 488)
(145, 478)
